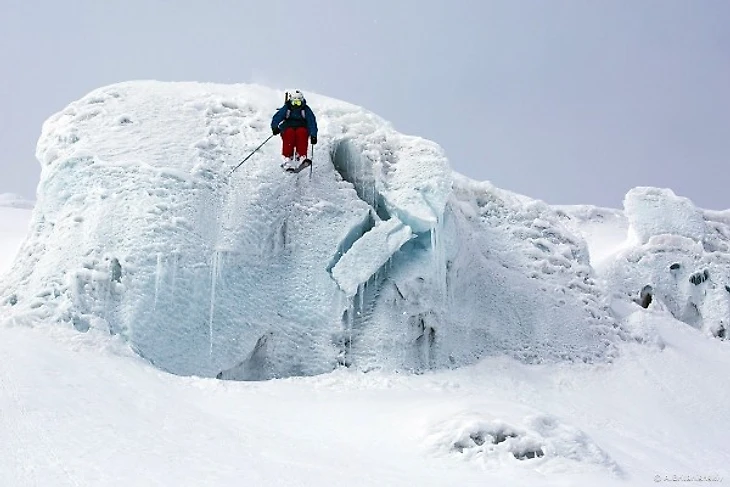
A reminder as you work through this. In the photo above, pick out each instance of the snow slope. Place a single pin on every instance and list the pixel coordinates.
(79, 410)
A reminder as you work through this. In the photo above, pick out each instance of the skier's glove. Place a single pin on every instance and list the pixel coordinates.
(314, 140)
(275, 130)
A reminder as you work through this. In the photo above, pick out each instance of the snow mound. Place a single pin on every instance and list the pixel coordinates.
(382, 258)
(540, 442)
(655, 211)
(679, 263)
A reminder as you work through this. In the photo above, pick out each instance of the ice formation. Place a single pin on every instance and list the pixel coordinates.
(383, 258)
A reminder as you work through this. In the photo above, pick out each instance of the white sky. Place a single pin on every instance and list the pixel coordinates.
(567, 101)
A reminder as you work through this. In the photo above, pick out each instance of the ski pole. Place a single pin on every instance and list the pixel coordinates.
(252, 153)
(311, 163)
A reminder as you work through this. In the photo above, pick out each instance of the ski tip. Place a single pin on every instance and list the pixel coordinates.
(305, 163)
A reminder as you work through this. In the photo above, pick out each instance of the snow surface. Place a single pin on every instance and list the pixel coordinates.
(81, 410)
(543, 345)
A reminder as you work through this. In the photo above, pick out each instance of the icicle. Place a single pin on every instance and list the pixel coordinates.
(175, 263)
(372, 197)
(361, 300)
(158, 278)
(439, 262)
(350, 323)
(214, 275)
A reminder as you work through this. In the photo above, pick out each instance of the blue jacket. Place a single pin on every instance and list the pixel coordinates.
(289, 116)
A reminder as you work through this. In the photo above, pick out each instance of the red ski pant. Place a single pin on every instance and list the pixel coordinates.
(295, 138)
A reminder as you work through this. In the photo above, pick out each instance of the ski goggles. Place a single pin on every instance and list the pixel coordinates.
(296, 102)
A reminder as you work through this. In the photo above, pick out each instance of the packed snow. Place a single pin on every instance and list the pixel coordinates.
(418, 327)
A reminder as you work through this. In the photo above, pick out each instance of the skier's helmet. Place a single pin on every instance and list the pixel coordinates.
(296, 98)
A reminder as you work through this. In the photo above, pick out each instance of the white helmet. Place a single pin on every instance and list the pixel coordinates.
(296, 96)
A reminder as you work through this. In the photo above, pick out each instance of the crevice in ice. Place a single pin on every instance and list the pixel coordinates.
(426, 340)
(439, 261)
(254, 366)
(116, 270)
(352, 236)
(357, 314)
(358, 171)
(355, 168)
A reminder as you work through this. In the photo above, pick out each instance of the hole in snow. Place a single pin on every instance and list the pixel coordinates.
(721, 332)
(646, 296)
(501, 436)
(699, 277)
(543, 437)
(529, 454)
(477, 438)
(497, 436)
(81, 324)
(116, 270)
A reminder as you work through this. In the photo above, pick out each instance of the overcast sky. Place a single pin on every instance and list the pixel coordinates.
(572, 102)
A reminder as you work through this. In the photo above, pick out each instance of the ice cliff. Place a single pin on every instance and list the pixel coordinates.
(382, 258)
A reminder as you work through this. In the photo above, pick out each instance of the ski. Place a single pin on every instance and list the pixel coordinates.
(305, 163)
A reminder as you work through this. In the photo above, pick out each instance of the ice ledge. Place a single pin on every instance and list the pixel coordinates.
(369, 253)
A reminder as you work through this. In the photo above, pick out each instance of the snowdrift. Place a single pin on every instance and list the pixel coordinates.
(382, 258)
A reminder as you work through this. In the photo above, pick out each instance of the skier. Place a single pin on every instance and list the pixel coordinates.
(296, 123)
